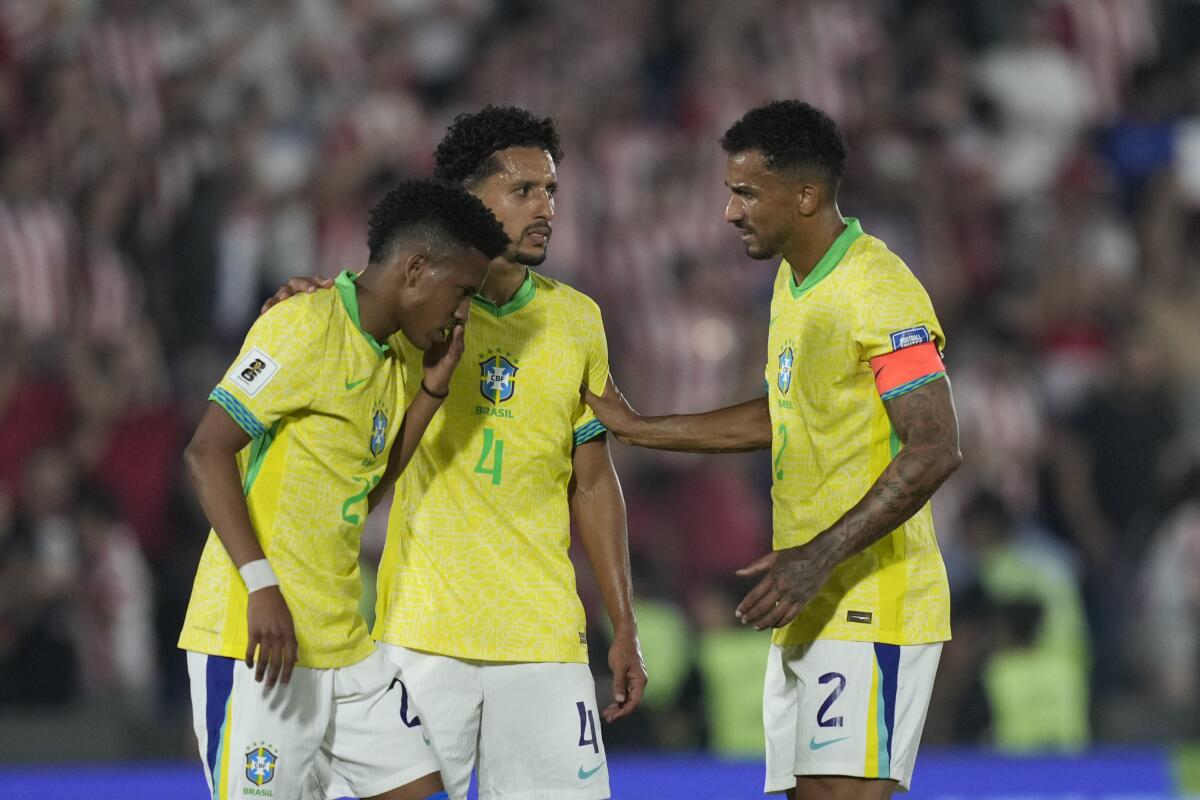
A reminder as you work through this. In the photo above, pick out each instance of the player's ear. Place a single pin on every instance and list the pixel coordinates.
(808, 198)
(414, 265)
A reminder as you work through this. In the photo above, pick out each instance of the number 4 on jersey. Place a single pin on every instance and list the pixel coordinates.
(491, 447)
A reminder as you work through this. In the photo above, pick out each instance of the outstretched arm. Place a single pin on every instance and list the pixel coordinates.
(599, 511)
(735, 429)
(928, 428)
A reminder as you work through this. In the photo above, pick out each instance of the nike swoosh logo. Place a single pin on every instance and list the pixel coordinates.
(352, 384)
(426, 738)
(815, 745)
(584, 774)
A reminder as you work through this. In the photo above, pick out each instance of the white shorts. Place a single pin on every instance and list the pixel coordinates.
(846, 708)
(532, 727)
(329, 733)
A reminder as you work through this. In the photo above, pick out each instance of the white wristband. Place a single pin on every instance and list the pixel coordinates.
(258, 575)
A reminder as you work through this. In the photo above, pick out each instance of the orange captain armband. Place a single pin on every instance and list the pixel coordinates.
(909, 368)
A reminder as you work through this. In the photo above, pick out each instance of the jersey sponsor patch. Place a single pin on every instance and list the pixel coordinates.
(910, 337)
(859, 616)
(254, 371)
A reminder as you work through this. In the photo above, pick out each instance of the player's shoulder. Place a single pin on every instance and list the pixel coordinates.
(871, 267)
(559, 293)
(298, 324)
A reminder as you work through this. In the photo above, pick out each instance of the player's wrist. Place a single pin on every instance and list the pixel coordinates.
(257, 575)
(435, 391)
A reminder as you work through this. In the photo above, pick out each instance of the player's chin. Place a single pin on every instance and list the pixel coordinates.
(531, 255)
(757, 251)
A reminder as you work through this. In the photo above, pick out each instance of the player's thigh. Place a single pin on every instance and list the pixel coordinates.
(859, 710)
(837, 787)
(253, 739)
(541, 733)
(448, 696)
(375, 742)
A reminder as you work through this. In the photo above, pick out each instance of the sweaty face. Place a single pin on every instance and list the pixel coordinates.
(762, 204)
(443, 295)
(521, 196)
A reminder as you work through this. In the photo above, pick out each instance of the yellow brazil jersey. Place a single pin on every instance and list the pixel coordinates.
(832, 438)
(475, 564)
(322, 401)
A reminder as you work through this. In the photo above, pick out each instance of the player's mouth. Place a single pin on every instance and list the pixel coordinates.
(538, 236)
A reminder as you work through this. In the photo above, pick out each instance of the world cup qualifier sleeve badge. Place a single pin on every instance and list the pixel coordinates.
(497, 378)
(260, 768)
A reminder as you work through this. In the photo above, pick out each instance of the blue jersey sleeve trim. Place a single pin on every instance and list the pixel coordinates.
(241, 415)
(905, 388)
(592, 430)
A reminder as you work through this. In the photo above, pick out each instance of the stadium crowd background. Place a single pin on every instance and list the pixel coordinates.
(165, 164)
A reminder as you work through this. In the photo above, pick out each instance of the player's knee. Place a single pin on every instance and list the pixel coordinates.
(834, 787)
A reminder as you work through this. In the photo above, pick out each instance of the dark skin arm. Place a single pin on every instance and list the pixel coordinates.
(736, 429)
(927, 425)
(211, 459)
(599, 511)
(439, 363)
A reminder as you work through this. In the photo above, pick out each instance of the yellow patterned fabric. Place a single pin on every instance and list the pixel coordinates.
(476, 563)
(322, 402)
(832, 438)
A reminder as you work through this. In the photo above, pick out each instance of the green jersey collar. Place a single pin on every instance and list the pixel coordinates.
(831, 259)
(518, 301)
(349, 294)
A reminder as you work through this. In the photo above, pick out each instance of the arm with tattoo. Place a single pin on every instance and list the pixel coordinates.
(927, 426)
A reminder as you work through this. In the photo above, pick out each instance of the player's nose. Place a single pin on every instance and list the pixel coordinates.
(464, 310)
(733, 211)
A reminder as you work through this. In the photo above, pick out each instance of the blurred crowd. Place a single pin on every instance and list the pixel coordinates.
(164, 164)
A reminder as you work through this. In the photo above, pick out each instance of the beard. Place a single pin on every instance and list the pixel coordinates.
(529, 258)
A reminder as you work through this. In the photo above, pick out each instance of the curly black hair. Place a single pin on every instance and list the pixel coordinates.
(793, 137)
(444, 214)
(465, 154)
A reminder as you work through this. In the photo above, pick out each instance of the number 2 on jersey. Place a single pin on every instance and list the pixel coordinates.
(495, 448)
(782, 446)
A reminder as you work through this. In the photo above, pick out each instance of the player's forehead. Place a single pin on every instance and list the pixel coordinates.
(525, 165)
(746, 167)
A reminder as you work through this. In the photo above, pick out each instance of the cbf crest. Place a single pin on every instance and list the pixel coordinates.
(378, 432)
(260, 765)
(497, 377)
(783, 379)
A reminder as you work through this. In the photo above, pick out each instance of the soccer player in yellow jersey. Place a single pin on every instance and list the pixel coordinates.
(862, 431)
(299, 433)
(477, 601)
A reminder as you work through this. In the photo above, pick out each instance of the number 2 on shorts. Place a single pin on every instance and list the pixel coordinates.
(830, 677)
(587, 722)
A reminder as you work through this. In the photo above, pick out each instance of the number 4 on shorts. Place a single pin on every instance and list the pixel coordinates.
(587, 722)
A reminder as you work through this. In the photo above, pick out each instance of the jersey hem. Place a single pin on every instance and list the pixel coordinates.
(464, 655)
(240, 655)
(902, 641)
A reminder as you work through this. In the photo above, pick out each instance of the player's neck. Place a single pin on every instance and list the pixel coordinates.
(810, 246)
(373, 314)
(503, 280)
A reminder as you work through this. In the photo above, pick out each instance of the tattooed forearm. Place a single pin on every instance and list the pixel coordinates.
(928, 428)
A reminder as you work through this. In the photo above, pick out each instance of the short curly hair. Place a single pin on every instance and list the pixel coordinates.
(443, 214)
(793, 137)
(466, 153)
